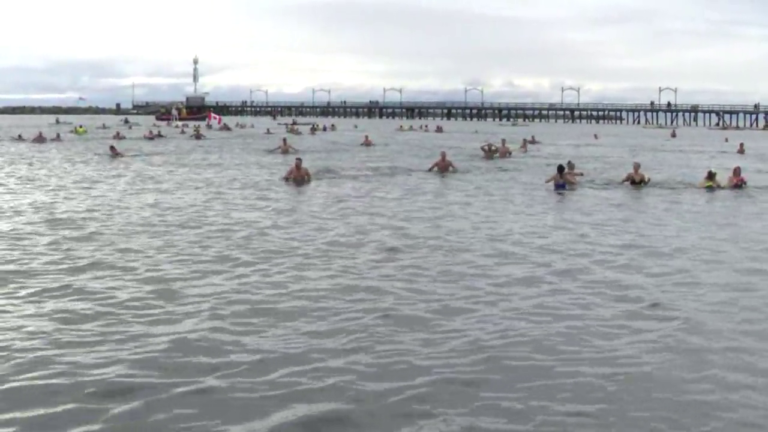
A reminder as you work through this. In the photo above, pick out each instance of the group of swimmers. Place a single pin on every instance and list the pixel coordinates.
(38, 139)
(424, 128)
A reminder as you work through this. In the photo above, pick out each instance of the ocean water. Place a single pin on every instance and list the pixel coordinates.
(186, 288)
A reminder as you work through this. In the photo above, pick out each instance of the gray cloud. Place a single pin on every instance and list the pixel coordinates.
(619, 50)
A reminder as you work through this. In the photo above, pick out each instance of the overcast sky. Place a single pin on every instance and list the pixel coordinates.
(517, 50)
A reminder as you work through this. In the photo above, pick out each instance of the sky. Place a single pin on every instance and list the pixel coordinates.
(515, 50)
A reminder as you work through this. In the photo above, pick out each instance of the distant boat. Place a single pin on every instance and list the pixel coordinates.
(186, 118)
(658, 127)
(726, 128)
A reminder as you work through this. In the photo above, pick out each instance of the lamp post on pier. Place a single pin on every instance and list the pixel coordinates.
(475, 89)
(663, 89)
(577, 90)
(195, 73)
(391, 89)
(320, 90)
(266, 95)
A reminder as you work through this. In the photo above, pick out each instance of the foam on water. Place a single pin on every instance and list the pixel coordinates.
(190, 289)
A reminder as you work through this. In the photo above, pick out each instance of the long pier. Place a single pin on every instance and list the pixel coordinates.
(646, 114)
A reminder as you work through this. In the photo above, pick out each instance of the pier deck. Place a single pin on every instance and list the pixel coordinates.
(647, 114)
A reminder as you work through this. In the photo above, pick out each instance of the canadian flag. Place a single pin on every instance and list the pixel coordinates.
(213, 118)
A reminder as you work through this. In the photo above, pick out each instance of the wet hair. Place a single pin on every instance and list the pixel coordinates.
(298, 160)
(711, 175)
(561, 169)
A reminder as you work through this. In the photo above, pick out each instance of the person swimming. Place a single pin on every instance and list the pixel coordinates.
(524, 146)
(57, 138)
(533, 140)
(673, 134)
(298, 174)
(710, 181)
(736, 181)
(443, 165)
(571, 170)
(503, 150)
(741, 149)
(284, 148)
(113, 152)
(39, 139)
(489, 150)
(561, 180)
(636, 178)
(366, 142)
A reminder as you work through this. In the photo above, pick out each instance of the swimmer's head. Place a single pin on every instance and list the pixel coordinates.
(570, 165)
(636, 166)
(737, 171)
(561, 169)
(298, 161)
(711, 175)
(443, 155)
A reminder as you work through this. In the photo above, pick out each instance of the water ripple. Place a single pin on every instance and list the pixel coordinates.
(185, 288)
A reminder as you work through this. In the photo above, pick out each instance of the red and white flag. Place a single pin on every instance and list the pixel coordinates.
(214, 118)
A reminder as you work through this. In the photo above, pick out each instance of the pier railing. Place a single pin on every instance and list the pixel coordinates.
(486, 105)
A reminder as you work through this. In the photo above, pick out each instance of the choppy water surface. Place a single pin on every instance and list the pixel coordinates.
(188, 289)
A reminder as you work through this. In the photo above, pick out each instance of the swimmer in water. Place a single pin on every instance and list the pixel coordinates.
(636, 178)
(571, 170)
(710, 181)
(524, 146)
(489, 150)
(268, 132)
(57, 138)
(182, 132)
(561, 180)
(366, 142)
(673, 134)
(533, 140)
(443, 165)
(284, 148)
(736, 181)
(741, 149)
(503, 150)
(39, 139)
(113, 152)
(298, 174)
